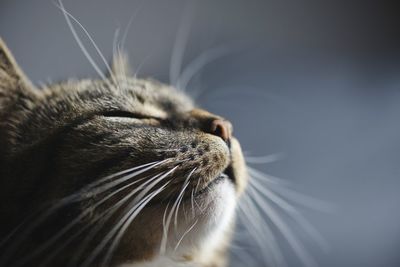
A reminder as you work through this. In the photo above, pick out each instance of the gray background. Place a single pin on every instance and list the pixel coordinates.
(315, 80)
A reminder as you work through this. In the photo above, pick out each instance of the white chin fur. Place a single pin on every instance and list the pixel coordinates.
(216, 212)
(214, 229)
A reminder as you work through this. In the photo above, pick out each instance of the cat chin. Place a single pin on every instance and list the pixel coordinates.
(202, 229)
(213, 218)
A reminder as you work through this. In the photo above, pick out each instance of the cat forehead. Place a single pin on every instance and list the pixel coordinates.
(126, 92)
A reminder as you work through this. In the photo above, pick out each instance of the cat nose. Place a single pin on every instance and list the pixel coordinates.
(221, 128)
(212, 124)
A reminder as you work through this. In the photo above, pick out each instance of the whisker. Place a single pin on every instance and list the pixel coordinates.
(95, 227)
(281, 187)
(184, 234)
(79, 42)
(266, 178)
(115, 41)
(61, 247)
(128, 223)
(66, 228)
(180, 197)
(128, 26)
(107, 215)
(109, 212)
(263, 236)
(198, 206)
(296, 215)
(13, 246)
(244, 257)
(16, 229)
(264, 159)
(200, 62)
(51, 241)
(59, 204)
(69, 16)
(296, 245)
(192, 202)
(167, 223)
(112, 184)
(121, 50)
(197, 186)
(102, 180)
(305, 200)
(141, 64)
(164, 222)
(111, 233)
(181, 39)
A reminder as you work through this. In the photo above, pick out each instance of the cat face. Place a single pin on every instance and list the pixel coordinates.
(131, 167)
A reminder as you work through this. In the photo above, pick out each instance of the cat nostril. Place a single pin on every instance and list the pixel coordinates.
(221, 128)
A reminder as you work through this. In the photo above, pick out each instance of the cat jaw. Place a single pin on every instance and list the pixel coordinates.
(205, 243)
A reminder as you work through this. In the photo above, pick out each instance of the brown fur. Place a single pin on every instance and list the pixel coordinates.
(56, 140)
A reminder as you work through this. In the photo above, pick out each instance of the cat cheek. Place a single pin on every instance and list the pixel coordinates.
(238, 166)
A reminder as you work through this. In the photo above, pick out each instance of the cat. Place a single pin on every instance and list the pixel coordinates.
(111, 172)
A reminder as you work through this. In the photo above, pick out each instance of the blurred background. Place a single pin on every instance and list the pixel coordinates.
(317, 82)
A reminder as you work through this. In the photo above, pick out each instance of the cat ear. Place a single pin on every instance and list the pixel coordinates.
(11, 75)
(120, 64)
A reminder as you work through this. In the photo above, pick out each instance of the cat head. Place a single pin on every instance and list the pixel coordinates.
(131, 166)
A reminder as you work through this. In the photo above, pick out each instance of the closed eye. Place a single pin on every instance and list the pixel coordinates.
(127, 114)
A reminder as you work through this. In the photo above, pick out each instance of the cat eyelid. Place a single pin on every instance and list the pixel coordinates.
(128, 114)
